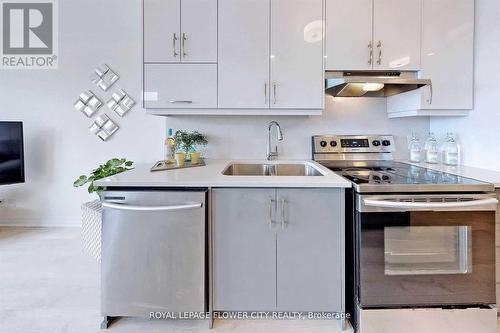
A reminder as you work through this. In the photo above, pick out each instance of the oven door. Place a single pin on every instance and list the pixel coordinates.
(424, 250)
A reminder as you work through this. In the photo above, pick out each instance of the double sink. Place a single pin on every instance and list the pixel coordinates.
(299, 169)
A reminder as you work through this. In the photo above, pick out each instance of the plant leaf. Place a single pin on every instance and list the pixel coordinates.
(82, 180)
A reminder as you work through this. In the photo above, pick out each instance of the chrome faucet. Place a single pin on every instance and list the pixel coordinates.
(272, 154)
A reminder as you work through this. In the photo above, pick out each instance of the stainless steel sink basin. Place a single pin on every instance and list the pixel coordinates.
(272, 169)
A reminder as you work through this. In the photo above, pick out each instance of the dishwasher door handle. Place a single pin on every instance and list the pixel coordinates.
(172, 208)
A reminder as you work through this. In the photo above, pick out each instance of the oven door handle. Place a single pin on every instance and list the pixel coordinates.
(430, 205)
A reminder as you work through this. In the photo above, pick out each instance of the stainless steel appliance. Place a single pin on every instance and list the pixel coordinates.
(416, 239)
(153, 253)
(373, 83)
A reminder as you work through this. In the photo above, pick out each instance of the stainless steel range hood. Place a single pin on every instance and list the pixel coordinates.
(372, 84)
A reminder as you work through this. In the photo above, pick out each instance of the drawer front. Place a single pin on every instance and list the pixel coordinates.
(180, 86)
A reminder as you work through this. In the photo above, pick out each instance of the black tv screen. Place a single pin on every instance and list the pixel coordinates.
(11, 152)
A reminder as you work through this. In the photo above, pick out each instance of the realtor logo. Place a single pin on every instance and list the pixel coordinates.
(29, 34)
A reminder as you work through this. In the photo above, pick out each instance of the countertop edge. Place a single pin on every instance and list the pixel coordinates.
(210, 176)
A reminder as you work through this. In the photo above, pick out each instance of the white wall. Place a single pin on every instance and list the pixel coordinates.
(480, 132)
(245, 136)
(58, 145)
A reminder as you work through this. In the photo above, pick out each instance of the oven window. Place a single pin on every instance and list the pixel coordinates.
(425, 250)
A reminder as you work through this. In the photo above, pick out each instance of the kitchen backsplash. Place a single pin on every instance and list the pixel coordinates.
(245, 136)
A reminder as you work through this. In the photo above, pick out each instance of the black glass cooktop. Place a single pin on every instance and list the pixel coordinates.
(397, 173)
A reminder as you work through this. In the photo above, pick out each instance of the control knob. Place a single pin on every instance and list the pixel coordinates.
(323, 143)
(376, 143)
(386, 143)
(333, 143)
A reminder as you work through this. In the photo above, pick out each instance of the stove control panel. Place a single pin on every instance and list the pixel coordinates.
(326, 144)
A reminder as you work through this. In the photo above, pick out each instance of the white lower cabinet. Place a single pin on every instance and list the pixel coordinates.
(278, 249)
(180, 86)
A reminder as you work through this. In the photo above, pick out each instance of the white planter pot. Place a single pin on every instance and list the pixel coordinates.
(91, 228)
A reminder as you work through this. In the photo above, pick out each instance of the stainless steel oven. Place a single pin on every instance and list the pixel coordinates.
(424, 249)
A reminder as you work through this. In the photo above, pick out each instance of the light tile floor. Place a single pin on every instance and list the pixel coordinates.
(49, 285)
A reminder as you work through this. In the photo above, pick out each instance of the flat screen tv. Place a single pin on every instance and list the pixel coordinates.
(11, 152)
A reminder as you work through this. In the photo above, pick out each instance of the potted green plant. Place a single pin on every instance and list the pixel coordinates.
(92, 210)
(187, 142)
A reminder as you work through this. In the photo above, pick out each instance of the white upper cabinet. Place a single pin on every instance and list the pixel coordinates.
(373, 34)
(447, 59)
(297, 54)
(448, 53)
(396, 34)
(162, 26)
(349, 43)
(180, 31)
(271, 55)
(180, 86)
(244, 54)
(198, 40)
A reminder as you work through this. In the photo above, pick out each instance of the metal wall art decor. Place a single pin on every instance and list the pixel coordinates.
(103, 127)
(120, 102)
(88, 103)
(104, 77)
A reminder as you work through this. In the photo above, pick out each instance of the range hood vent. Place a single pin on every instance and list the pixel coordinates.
(372, 83)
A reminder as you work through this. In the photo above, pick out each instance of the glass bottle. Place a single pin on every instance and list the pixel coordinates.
(415, 149)
(170, 147)
(451, 150)
(431, 149)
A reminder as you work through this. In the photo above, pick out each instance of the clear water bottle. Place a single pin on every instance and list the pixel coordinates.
(431, 149)
(415, 149)
(451, 150)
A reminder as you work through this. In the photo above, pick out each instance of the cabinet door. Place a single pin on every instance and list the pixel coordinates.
(198, 38)
(349, 34)
(244, 250)
(310, 250)
(297, 54)
(180, 86)
(396, 34)
(244, 53)
(162, 30)
(448, 53)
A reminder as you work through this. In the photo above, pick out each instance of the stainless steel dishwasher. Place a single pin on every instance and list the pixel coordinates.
(153, 253)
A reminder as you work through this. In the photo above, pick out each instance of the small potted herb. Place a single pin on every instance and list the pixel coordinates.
(187, 142)
(92, 210)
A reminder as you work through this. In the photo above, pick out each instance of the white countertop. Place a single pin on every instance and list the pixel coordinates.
(211, 176)
(488, 176)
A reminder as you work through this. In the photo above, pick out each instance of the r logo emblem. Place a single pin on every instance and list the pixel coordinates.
(29, 37)
(27, 28)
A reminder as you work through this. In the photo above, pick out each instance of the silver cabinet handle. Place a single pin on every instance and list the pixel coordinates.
(272, 207)
(118, 206)
(430, 205)
(284, 221)
(174, 40)
(379, 46)
(180, 102)
(184, 38)
(265, 93)
(429, 100)
(275, 93)
(370, 56)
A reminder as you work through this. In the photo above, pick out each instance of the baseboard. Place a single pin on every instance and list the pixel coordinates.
(34, 223)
